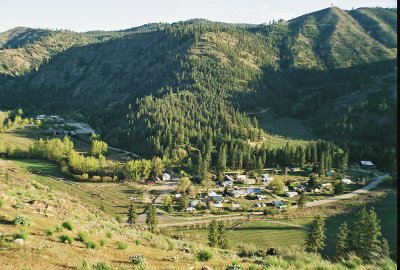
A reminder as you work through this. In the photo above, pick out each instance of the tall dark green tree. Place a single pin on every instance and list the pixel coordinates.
(151, 219)
(342, 242)
(132, 216)
(222, 239)
(315, 241)
(213, 234)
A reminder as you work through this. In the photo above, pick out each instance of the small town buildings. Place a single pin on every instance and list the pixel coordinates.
(229, 178)
(295, 169)
(277, 203)
(40, 117)
(241, 177)
(249, 181)
(218, 204)
(239, 193)
(253, 190)
(166, 177)
(346, 181)
(286, 188)
(235, 205)
(211, 193)
(366, 164)
(326, 185)
(150, 182)
(291, 194)
(217, 198)
(194, 203)
(190, 209)
(178, 195)
(227, 183)
(261, 197)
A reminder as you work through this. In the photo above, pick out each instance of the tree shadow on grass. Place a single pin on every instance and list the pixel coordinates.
(259, 228)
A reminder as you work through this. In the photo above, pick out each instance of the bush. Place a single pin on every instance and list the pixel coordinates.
(1, 203)
(137, 260)
(90, 245)
(48, 232)
(59, 229)
(23, 234)
(118, 219)
(235, 266)
(102, 266)
(67, 225)
(102, 242)
(122, 245)
(82, 237)
(137, 242)
(22, 221)
(109, 234)
(66, 239)
(204, 255)
(247, 250)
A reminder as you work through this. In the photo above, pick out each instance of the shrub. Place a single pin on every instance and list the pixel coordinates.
(118, 219)
(66, 239)
(204, 255)
(137, 260)
(235, 266)
(122, 245)
(102, 266)
(102, 242)
(1, 203)
(247, 250)
(109, 234)
(67, 225)
(137, 242)
(22, 221)
(48, 232)
(59, 229)
(23, 234)
(90, 245)
(82, 237)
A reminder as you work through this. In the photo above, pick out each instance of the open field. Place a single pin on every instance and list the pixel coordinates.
(113, 196)
(19, 138)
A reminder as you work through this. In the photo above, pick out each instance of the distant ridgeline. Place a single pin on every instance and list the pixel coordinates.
(181, 90)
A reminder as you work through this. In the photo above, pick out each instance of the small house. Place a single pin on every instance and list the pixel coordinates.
(178, 195)
(277, 203)
(218, 204)
(194, 203)
(291, 194)
(241, 177)
(249, 181)
(326, 185)
(346, 181)
(228, 178)
(227, 183)
(286, 188)
(217, 198)
(239, 193)
(211, 193)
(235, 205)
(253, 190)
(366, 164)
(261, 197)
(150, 182)
(166, 177)
(190, 209)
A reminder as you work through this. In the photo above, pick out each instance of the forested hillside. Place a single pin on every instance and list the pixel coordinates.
(175, 89)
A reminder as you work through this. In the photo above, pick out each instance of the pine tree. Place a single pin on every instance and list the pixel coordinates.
(301, 202)
(213, 234)
(321, 164)
(385, 251)
(374, 234)
(222, 241)
(221, 165)
(316, 237)
(342, 244)
(132, 216)
(183, 201)
(151, 219)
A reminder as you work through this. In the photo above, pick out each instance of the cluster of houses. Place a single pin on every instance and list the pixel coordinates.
(243, 179)
(165, 177)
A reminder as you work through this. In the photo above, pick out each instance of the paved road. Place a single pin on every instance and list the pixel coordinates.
(362, 190)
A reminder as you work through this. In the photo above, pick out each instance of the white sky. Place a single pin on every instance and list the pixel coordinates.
(84, 15)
